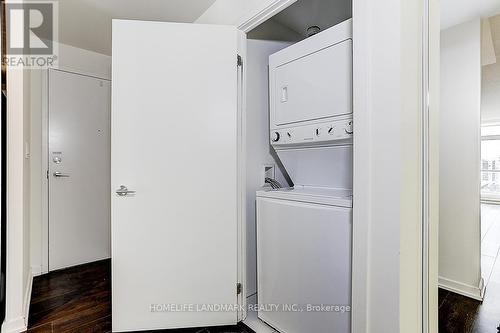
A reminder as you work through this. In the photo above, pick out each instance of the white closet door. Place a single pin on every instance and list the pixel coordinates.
(175, 142)
(79, 169)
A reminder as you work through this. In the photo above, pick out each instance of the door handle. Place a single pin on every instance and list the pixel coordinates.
(124, 191)
(59, 174)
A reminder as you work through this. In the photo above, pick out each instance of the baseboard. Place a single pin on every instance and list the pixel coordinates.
(14, 326)
(253, 322)
(475, 292)
(27, 298)
(36, 270)
(20, 324)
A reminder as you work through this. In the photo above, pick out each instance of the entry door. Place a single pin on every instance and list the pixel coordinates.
(79, 169)
(176, 171)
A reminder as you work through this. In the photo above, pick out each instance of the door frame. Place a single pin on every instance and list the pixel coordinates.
(45, 159)
(256, 17)
(361, 229)
(44, 262)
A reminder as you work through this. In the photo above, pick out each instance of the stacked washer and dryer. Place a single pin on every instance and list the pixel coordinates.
(304, 233)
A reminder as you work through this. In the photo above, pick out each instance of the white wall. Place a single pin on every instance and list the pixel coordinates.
(459, 230)
(257, 136)
(85, 62)
(19, 279)
(77, 61)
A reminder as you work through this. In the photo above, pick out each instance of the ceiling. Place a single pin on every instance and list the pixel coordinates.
(322, 13)
(87, 23)
(457, 11)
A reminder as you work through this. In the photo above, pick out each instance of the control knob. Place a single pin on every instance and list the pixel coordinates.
(348, 128)
(275, 137)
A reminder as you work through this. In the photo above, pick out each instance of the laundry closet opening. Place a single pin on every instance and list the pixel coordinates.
(299, 132)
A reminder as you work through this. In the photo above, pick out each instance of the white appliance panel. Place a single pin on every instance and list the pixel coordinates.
(319, 166)
(318, 195)
(331, 132)
(176, 142)
(315, 86)
(304, 257)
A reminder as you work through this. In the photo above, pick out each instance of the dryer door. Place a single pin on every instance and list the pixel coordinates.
(316, 86)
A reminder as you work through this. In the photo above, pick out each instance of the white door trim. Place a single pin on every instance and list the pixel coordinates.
(258, 16)
(426, 167)
(44, 173)
(45, 162)
(241, 160)
(16, 317)
(430, 101)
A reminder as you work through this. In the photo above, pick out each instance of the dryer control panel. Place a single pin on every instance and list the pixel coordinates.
(321, 133)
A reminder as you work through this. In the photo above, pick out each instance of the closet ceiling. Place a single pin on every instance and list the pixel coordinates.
(306, 13)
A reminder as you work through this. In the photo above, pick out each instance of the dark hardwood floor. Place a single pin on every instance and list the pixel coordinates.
(78, 299)
(460, 314)
(457, 313)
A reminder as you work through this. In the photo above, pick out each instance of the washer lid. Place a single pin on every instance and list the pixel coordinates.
(317, 195)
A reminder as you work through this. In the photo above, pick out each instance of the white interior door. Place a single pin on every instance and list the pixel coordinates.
(175, 142)
(79, 169)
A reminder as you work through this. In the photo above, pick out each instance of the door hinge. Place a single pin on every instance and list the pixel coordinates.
(239, 61)
(239, 288)
(47, 175)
